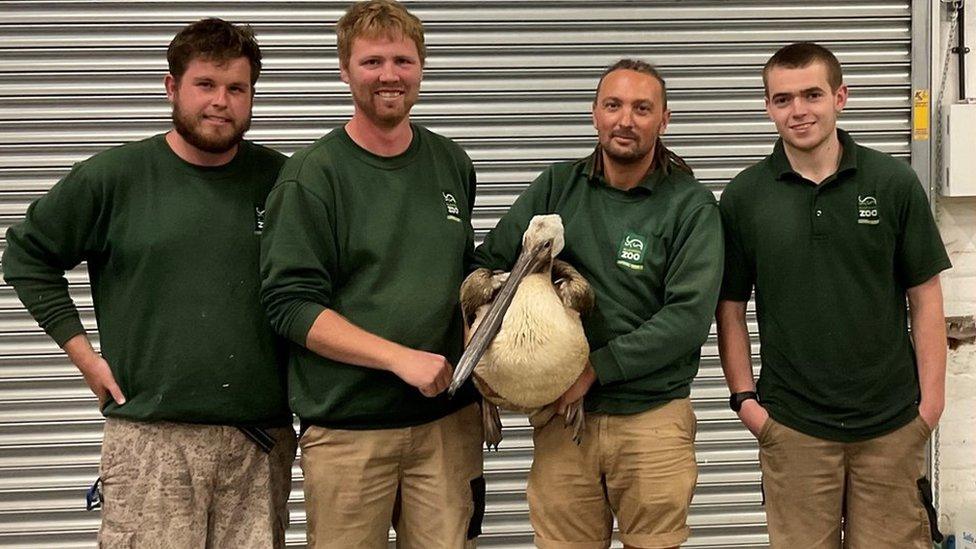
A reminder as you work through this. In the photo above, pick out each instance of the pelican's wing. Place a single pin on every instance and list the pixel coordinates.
(527, 262)
(573, 289)
(479, 289)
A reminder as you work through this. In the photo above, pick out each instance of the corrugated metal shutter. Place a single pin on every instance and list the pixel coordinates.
(511, 81)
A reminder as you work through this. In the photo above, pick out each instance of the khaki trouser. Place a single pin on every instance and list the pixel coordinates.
(639, 467)
(425, 480)
(810, 484)
(168, 485)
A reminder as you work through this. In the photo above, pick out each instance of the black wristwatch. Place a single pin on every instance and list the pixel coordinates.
(736, 399)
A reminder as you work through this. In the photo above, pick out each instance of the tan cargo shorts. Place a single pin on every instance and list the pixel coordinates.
(814, 489)
(168, 485)
(639, 467)
(425, 480)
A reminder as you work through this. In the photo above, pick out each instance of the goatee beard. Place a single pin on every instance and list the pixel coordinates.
(627, 158)
(187, 130)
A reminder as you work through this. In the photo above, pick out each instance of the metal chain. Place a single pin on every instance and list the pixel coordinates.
(940, 173)
(939, 162)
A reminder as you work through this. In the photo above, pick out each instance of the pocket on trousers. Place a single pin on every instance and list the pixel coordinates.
(767, 426)
(110, 539)
(478, 509)
(926, 430)
(313, 435)
(690, 420)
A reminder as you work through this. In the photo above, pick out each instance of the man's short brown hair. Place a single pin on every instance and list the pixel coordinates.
(213, 40)
(801, 55)
(375, 19)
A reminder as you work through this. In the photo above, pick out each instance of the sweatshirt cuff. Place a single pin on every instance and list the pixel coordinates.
(304, 318)
(606, 366)
(64, 329)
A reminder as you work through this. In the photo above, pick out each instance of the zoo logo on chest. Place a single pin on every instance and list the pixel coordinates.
(867, 210)
(631, 252)
(453, 212)
(258, 219)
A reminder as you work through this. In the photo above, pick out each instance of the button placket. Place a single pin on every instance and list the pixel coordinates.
(818, 217)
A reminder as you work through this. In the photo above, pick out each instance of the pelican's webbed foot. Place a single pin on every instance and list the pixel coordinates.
(574, 417)
(492, 424)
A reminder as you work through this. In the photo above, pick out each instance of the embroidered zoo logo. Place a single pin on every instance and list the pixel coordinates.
(631, 253)
(258, 219)
(453, 212)
(867, 210)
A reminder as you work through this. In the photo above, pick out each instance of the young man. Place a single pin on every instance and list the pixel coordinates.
(188, 366)
(833, 236)
(647, 236)
(368, 232)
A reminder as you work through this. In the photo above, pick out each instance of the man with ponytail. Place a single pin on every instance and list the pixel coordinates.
(648, 238)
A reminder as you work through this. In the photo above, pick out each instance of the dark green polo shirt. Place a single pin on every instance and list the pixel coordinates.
(830, 264)
(653, 256)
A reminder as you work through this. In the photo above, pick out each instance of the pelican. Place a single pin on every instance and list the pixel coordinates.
(525, 344)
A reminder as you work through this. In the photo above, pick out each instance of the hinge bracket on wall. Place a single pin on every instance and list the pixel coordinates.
(960, 330)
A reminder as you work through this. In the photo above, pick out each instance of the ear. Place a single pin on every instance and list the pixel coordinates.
(665, 120)
(170, 83)
(840, 97)
(593, 115)
(769, 113)
(344, 72)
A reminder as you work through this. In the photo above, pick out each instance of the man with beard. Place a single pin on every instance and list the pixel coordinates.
(647, 236)
(834, 236)
(188, 375)
(368, 233)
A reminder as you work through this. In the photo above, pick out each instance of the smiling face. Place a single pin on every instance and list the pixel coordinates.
(629, 115)
(802, 105)
(212, 103)
(384, 77)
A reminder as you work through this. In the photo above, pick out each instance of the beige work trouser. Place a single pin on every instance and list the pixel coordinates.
(810, 484)
(425, 480)
(640, 468)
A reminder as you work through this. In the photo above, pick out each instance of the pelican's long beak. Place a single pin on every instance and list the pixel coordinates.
(527, 263)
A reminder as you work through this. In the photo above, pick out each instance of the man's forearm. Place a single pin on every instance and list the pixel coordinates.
(734, 347)
(929, 337)
(96, 371)
(334, 337)
(80, 351)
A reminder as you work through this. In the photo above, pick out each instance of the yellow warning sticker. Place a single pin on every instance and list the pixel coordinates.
(920, 115)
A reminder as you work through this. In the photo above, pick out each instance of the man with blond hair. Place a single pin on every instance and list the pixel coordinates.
(834, 238)
(188, 376)
(368, 232)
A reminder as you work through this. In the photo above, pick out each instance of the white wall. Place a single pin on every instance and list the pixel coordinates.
(956, 448)
(955, 451)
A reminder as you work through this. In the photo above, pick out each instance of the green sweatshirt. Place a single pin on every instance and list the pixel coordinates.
(383, 241)
(653, 256)
(172, 252)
